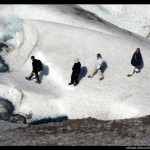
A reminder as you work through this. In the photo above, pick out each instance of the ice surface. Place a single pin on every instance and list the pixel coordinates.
(56, 38)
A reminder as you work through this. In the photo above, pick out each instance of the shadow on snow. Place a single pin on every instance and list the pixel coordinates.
(82, 73)
(48, 120)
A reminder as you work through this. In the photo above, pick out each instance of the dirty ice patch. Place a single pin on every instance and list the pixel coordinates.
(6, 106)
(12, 94)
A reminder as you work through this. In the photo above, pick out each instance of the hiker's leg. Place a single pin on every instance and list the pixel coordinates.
(37, 76)
(31, 75)
(100, 74)
(76, 78)
(137, 69)
(133, 71)
(93, 71)
(72, 78)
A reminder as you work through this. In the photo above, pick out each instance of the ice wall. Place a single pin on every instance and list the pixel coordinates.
(17, 39)
(11, 31)
(134, 18)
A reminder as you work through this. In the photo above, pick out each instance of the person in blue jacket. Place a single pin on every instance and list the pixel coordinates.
(136, 61)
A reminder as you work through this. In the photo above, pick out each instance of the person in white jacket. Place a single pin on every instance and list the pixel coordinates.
(97, 67)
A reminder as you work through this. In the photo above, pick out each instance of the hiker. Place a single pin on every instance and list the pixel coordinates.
(97, 67)
(136, 61)
(75, 72)
(37, 67)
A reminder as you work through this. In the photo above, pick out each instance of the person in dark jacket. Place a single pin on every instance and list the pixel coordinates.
(75, 72)
(136, 61)
(35, 70)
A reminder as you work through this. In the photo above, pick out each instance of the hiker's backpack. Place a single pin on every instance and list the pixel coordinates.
(39, 65)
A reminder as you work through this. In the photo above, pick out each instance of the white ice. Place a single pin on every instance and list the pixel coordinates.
(134, 18)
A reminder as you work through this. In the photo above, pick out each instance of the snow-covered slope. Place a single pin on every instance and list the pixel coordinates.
(57, 34)
(134, 18)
